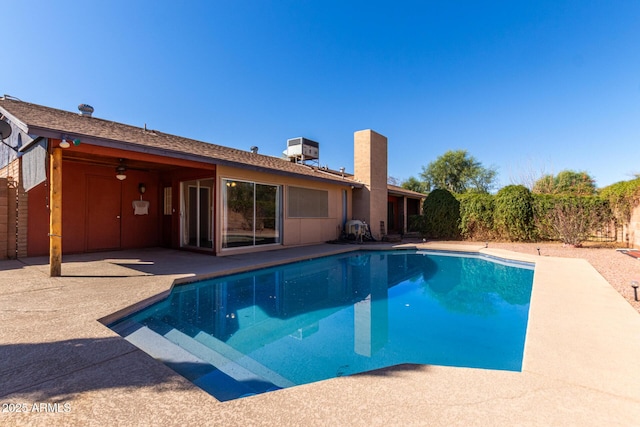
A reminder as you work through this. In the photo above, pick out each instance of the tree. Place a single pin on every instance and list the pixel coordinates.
(545, 185)
(458, 172)
(526, 174)
(414, 184)
(567, 182)
(392, 180)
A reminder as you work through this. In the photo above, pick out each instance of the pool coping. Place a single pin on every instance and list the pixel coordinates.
(579, 366)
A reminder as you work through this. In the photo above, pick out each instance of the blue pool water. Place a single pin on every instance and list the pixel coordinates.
(313, 320)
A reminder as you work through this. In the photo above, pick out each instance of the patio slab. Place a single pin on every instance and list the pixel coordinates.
(61, 366)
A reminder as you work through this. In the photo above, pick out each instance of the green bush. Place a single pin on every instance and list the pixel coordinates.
(415, 223)
(513, 215)
(542, 206)
(440, 216)
(476, 216)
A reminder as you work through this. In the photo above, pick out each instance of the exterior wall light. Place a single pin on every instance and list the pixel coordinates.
(120, 172)
(65, 144)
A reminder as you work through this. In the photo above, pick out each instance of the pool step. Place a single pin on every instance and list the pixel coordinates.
(228, 381)
(161, 349)
(217, 352)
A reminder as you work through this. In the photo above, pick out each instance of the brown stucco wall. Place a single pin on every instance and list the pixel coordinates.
(295, 231)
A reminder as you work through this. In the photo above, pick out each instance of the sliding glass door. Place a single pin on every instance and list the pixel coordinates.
(197, 214)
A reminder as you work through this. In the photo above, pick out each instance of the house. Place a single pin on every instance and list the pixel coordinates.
(402, 206)
(76, 183)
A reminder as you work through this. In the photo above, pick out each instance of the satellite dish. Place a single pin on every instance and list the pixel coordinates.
(5, 129)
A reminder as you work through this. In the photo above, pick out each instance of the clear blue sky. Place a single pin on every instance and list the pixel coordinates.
(525, 87)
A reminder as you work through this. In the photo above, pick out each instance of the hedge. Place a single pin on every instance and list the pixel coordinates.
(441, 216)
(514, 214)
(476, 216)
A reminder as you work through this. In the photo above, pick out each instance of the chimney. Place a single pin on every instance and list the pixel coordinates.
(85, 110)
(370, 168)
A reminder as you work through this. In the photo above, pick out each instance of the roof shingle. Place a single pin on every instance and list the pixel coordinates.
(40, 119)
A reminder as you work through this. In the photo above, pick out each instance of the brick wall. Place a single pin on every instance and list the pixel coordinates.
(13, 213)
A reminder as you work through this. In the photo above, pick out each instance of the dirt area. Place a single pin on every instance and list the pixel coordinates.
(616, 267)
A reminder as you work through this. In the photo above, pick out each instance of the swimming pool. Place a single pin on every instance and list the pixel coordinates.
(339, 315)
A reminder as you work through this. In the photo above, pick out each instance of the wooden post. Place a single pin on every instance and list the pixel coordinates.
(55, 214)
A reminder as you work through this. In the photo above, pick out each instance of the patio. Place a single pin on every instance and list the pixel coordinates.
(580, 364)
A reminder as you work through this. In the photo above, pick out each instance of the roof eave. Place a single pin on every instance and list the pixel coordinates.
(407, 194)
(145, 149)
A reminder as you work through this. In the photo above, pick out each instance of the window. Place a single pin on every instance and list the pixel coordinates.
(167, 201)
(308, 203)
(251, 214)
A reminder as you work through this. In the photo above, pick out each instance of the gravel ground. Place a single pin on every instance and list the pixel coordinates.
(616, 267)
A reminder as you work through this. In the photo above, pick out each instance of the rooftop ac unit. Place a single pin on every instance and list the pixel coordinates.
(302, 149)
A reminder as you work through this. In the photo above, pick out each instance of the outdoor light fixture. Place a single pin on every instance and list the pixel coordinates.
(634, 285)
(538, 248)
(65, 144)
(120, 171)
(142, 188)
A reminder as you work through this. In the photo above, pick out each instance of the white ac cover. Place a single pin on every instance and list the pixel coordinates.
(302, 148)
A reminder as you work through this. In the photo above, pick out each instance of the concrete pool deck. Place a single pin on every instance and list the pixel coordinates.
(61, 366)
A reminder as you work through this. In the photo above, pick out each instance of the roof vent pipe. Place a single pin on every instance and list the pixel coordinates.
(254, 149)
(85, 109)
